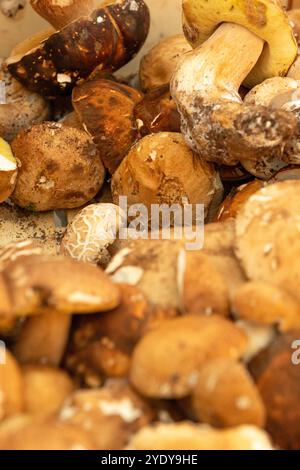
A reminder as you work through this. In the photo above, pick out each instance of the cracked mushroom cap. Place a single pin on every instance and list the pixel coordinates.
(109, 38)
(266, 19)
(187, 435)
(42, 283)
(159, 64)
(105, 108)
(91, 232)
(19, 108)
(161, 169)
(115, 409)
(267, 236)
(60, 168)
(166, 362)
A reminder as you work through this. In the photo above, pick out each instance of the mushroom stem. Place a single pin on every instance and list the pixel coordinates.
(215, 122)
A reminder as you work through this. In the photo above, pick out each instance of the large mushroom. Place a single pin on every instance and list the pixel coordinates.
(205, 86)
(109, 37)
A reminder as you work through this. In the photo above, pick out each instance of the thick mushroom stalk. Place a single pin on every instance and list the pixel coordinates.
(215, 122)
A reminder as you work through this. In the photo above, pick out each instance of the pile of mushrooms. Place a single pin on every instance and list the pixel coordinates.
(131, 342)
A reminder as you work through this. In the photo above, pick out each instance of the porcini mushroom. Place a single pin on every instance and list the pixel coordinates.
(8, 170)
(205, 86)
(109, 37)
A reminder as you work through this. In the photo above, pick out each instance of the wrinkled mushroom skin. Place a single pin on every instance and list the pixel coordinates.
(109, 38)
(215, 122)
(105, 108)
(157, 112)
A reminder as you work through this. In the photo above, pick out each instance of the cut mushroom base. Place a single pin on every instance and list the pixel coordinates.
(109, 38)
(215, 123)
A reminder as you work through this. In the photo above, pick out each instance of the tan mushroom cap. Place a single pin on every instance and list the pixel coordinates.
(91, 232)
(191, 436)
(115, 409)
(11, 386)
(41, 283)
(60, 168)
(159, 64)
(161, 169)
(267, 236)
(266, 304)
(226, 396)
(267, 20)
(167, 360)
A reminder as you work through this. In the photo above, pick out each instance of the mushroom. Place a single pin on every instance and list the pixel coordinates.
(8, 170)
(161, 169)
(191, 436)
(90, 233)
(277, 378)
(157, 112)
(102, 345)
(205, 85)
(43, 339)
(116, 409)
(60, 168)
(159, 64)
(45, 388)
(109, 37)
(11, 387)
(41, 283)
(166, 361)
(105, 109)
(226, 396)
(59, 14)
(274, 226)
(19, 108)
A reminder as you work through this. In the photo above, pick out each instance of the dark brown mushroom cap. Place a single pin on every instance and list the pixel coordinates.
(106, 110)
(109, 37)
(41, 283)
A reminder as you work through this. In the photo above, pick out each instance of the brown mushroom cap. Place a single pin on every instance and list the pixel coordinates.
(161, 169)
(267, 235)
(11, 387)
(159, 64)
(187, 435)
(105, 109)
(226, 396)
(109, 37)
(115, 409)
(60, 168)
(41, 283)
(21, 108)
(167, 360)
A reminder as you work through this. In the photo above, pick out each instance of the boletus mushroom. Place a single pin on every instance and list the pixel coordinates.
(205, 86)
(109, 37)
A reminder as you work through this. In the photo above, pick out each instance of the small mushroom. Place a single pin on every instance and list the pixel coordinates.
(60, 168)
(205, 85)
(45, 388)
(191, 436)
(161, 169)
(19, 108)
(157, 112)
(109, 37)
(8, 170)
(167, 360)
(159, 64)
(278, 381)
(115, 409)
(267, 236)
(11, 387)
(105, 109)
(226, 396)
(43, 339)
(91, 232)
(265, 304)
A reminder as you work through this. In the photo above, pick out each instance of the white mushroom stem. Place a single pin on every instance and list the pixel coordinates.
(220, 65)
